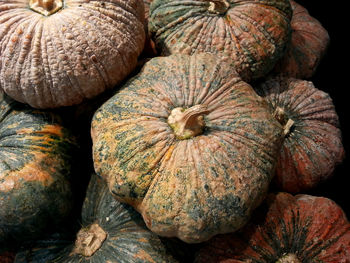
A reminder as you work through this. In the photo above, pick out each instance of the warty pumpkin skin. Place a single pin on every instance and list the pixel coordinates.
(313, 144)
(111, 232)
(253, 33)
(308, 45)
(286, 229)
(188, 144)
(36, 153)
(75, 52)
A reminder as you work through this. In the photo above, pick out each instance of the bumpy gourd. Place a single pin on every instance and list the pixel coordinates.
(286, 229)
(58, 53)
(188, 144)
(313, 143)
(253, 33)
(36, 153)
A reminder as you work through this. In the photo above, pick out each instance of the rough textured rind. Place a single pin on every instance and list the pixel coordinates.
(194, 188)
(253, 33)
(128, 239)
(313, 147)
(314, 229)
(308, 45)
(76, 53)
(35, 161)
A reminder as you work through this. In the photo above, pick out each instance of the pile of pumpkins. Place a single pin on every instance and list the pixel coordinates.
(152, 131)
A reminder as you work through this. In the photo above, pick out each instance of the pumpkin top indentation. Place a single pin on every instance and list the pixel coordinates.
(46, 7)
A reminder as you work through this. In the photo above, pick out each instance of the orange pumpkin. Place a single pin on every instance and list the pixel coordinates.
(253, 33)
(286, 229)
(307, 47)
(58, 53)
(189, 145)
(313, 144)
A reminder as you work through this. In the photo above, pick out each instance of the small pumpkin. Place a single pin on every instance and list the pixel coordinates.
(188, 144)
(308, 45)
(253, 33)
(313, 144)
(111, 232)
(286, 229)
(58, 53)
(36, 153)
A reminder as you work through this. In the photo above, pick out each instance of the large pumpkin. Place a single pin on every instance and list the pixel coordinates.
(313, 144)
(111, 232)
(308, 45)
(253, 33)
(188, 144)
(35, 163)
(57, 53)
(286, 229)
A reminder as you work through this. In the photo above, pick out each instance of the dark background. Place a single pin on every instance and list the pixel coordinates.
(331, 77)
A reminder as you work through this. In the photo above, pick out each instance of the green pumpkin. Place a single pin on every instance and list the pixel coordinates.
(111, 232)
(35, 164)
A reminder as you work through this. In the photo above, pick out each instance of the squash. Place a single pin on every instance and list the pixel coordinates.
(253, 33)
(286, 229)
(313, 144)
(58, 53)
(36, 153)
(308, 45)
(188, 144)
(111, 232)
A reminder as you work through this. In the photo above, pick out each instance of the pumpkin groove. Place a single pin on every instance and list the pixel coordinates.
(189, 186)
(303, 228)
(253, 33)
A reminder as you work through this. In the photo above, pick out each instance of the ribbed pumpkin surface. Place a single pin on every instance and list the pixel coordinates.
(127, 239)
(287, 229)
(35, 158)
(307, 47)
(313, 145)
(252, 33)
(73, 54)
(198, 186)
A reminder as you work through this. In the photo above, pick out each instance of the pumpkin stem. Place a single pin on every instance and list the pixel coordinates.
(89, 240)
(218, 7)
(289, 258)
(187, 123)
(280, 115)
(46, 7)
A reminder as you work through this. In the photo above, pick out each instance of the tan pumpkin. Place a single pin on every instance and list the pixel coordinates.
(286, 229)
(189, 145)
(313, 143)
(253, 33)
(57, 53)
(308, 45)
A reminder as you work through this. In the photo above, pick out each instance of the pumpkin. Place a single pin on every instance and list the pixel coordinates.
(286, 229)
(253, 33)
(57, 53)
(188, 144)
(313, 144)
(36, 153)
(111, 232)
(308, 45)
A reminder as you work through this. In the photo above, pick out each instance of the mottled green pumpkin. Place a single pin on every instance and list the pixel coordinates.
(313, 143)
(111, 232)
(188, 144)
(253, 33)
(286, 229)
(35, 163)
